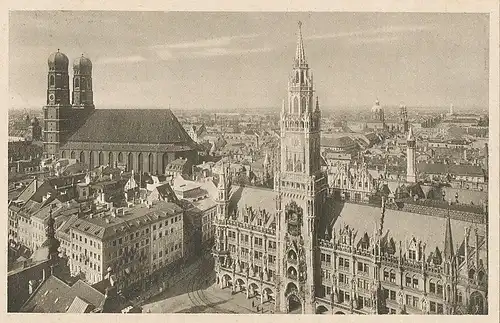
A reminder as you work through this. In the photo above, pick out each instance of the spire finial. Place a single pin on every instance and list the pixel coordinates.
(300, 56)
(58, 50)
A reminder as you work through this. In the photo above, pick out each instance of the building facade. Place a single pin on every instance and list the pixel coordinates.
(134, 243)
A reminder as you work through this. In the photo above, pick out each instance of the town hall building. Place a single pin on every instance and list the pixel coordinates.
(309, 252)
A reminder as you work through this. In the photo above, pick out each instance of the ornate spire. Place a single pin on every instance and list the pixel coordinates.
(411, 137)
(51, 242)
(448, 241)
(317, 103)
(300, 55)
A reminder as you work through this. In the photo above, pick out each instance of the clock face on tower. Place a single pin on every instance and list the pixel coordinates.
(51, 98)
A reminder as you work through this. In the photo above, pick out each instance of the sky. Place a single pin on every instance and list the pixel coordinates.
(242, 60)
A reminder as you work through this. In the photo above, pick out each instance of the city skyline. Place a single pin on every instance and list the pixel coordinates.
(224, 59)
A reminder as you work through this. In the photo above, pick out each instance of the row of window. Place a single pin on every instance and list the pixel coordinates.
(160, 234)
(172, 249)
(83, 239)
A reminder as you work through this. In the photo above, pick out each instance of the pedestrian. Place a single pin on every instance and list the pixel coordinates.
(257, 308)
(253, 304)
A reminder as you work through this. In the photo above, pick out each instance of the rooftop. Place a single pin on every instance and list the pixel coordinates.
(106, 225)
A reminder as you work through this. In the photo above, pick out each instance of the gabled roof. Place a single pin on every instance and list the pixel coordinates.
(55, 296)
(152, 126)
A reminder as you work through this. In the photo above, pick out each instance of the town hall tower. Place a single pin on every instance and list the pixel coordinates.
(301, 188)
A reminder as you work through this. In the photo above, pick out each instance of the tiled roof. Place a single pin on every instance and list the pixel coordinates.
(153, 126)
(428, 229)
(341, 142)
(79, 306)
(55, 296)
(256, 198)
(464, 170)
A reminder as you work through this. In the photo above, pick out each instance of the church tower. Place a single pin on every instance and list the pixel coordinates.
(411, 172)
(83, 96)
(301, 188)
(403, 118)
(57, 111)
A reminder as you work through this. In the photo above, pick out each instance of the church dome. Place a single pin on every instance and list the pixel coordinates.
(58, 61)
(82, 64)
(376, 107)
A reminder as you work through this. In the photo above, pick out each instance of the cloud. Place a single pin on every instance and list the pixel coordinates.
(213, 42)
(371, 40)
(376, 31)
(220, 46)
(120, 59)
(218, 51)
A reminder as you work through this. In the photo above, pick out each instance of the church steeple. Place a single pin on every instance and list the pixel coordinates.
(300, 55)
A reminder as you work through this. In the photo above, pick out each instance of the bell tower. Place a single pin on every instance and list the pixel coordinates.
(302, 189)
(83, 96)
(57, 111)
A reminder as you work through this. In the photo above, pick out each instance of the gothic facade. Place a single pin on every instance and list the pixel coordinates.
(304, 250)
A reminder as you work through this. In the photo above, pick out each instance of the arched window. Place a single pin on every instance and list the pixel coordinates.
(91, 159)
(83, 85)
(150, 163)
(111, 161)
(480, 275)
(77, 82)
(130, 162)
(63, 154)
(140, 163)
(52, 80)
(164, 161)
(472, 272)
(82, 157)
(303, 104)
(295, 105)
(101, 158)
(72, 155)
(120, 157)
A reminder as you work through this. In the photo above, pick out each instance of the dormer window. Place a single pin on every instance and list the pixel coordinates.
(412, 254)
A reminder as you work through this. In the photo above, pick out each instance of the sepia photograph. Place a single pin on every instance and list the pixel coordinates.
(278, 162)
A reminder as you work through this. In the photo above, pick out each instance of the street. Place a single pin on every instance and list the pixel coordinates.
(196, 292)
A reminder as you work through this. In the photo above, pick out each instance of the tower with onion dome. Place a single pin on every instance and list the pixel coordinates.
(83, 96)
(57, 111)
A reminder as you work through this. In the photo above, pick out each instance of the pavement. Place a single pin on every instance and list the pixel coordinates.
(197, 292)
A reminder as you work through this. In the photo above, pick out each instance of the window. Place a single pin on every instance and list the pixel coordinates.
(409, 300)
(415, 302)
(412, 254)
(408, 281)
(386, 275)
(258, 241)
(362, 267)
(440, 289)
(415, 283)
(432, 306)
(120, 241)
(440, 308)
(432, 287)
(392, 295)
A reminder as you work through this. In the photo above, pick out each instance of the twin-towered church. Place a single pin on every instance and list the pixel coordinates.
(139, 139)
